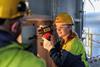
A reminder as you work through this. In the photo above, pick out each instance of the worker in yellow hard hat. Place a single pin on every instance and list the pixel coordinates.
(69, 50)
(11, 54)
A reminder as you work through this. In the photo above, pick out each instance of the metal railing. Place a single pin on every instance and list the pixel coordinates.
(89, 44)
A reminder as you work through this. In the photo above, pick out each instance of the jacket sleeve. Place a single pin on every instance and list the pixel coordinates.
(63, 58)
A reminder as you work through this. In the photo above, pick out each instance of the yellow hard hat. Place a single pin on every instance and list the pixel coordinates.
(9, 9)
(64, 17)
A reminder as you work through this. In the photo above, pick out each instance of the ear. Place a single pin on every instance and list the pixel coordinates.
(14, 27)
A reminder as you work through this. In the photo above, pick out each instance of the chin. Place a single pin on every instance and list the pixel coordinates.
(59, 35)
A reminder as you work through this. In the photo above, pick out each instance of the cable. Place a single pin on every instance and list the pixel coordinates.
(92, 4)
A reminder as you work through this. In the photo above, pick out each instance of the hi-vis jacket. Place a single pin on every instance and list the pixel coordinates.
(11, 54)
(71, 54)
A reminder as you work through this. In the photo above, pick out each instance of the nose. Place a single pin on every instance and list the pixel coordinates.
(58, 30)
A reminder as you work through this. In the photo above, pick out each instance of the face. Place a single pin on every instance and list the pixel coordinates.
(63, 29)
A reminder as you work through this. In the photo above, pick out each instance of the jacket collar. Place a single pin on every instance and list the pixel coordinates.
(12, 45)
(6, 37)
(70, 37)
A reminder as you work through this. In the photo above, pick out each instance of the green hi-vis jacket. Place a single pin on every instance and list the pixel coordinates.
(13, 56)
(72, 54)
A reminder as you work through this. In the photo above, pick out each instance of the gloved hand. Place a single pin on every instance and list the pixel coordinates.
(47, 44)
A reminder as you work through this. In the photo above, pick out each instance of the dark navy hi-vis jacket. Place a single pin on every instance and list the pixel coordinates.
(71, 54)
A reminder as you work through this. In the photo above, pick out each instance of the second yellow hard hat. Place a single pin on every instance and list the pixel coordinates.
(64, 17)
